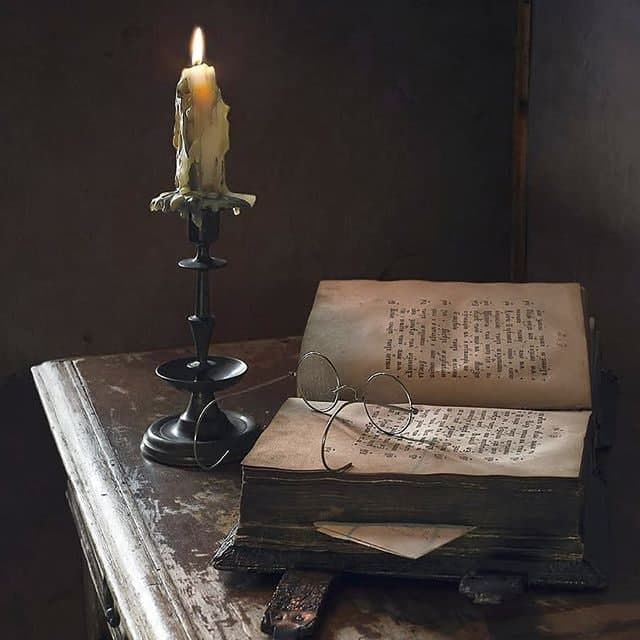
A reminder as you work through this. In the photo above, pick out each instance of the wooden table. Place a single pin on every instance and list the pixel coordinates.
(149, 531)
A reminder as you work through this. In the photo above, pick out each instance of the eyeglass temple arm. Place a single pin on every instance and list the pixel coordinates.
(201, 417)
(344, 467)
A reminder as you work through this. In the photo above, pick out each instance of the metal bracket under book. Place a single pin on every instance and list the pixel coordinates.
(491, 588)
(296, 604)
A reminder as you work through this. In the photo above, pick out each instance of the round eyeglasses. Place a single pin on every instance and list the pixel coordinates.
(385, 398)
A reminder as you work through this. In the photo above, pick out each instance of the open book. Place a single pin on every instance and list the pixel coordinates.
(499, 445)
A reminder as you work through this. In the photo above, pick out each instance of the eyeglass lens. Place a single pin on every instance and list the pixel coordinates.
(387, 403)
(318, 382)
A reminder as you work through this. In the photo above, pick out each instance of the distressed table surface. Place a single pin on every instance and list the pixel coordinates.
(155, 528)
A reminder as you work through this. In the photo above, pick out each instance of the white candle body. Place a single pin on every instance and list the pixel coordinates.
(201, 132)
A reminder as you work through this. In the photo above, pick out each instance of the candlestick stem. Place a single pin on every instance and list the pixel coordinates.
(202, 322)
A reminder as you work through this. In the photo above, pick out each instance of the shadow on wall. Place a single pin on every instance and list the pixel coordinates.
(577, 241)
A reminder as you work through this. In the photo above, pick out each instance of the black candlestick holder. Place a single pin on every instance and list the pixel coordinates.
(221, 434)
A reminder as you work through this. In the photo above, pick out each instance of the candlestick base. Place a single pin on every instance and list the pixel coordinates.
(170, 440)
(167, 442)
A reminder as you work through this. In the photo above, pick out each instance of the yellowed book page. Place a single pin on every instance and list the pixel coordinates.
(406, 540)
(452, 343)
(439, 440)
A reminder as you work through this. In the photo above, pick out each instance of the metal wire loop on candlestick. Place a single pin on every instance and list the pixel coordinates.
(213, 403)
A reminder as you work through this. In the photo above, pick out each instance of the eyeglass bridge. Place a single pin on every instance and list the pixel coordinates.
(346, 387)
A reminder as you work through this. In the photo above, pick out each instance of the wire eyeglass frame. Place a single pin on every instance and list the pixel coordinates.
(339, 389)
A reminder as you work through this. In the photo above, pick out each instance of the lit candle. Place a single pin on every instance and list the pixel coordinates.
(201, 129)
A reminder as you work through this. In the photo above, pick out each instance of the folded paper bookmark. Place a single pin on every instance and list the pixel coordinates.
(406, 540)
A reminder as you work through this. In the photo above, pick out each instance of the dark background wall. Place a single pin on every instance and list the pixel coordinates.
(584, 202)
(377, 136)
(373, 134)
(584, 161)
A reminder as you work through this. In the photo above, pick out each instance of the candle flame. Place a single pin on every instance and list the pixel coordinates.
(197, 46)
